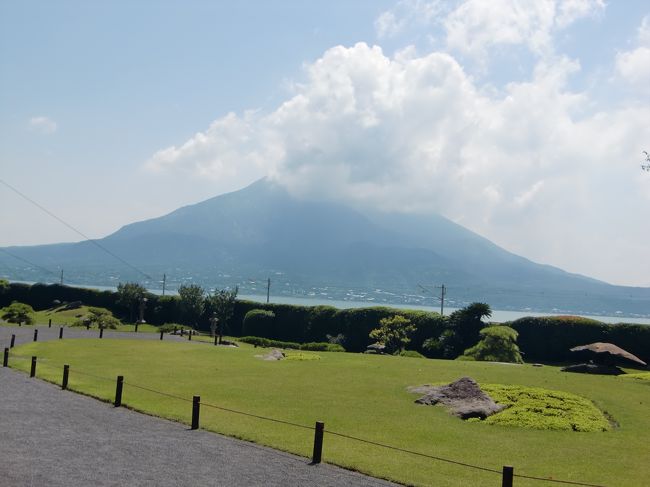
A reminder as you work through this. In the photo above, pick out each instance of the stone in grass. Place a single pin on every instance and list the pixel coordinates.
(464, 398)
(274, 354)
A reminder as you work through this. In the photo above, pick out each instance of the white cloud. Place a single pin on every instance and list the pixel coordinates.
(405, 14)
(43, 124)
(634, 65)
(474, 27)
(411, 133)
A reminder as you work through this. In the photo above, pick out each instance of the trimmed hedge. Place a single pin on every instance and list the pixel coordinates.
(549, 339)
(315, 347)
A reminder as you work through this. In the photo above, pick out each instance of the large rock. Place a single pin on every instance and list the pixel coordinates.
(464, 398)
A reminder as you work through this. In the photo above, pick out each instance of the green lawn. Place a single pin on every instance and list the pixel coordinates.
(62, 317)
(364, 396)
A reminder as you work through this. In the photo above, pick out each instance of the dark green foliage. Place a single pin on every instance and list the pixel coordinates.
(322, 347)
(549, 339)
(128, 297)
(498, 344)
(394, 333)
(258, 322)
(313, 346)
(192, 304)
(170, 327)
(19, 313)
(463, 330)
(221, 306)
(98, 317)
(411, 354)
(268, 343)
(4, 286)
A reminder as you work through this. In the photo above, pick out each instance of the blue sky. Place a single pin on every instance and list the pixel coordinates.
(523, 121)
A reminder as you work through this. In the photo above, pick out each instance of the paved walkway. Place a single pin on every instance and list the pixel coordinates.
(50, 437)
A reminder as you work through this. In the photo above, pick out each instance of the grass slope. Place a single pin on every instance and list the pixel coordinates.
(364, 396)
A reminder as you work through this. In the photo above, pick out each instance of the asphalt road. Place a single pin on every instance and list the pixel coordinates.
(50, 437)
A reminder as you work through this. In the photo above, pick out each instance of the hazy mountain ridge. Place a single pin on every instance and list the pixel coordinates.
(261, 230)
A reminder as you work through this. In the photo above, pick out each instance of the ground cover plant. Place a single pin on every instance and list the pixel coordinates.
(363, 396)
(539, 408)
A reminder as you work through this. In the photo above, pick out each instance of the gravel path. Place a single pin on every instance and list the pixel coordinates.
(50, 437)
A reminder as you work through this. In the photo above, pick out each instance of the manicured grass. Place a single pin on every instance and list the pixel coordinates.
(364, 396)
(68, 317)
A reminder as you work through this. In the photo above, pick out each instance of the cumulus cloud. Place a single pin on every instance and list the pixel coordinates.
(533, 167)
(43, 124)
(634, 65)
(473, 27)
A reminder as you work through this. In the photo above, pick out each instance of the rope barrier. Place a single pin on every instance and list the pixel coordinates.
(257, 416)
(425, 455)
(568, 482)
(157, 392)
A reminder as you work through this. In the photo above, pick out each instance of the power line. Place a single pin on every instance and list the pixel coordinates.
(28, 262)
(94, 242)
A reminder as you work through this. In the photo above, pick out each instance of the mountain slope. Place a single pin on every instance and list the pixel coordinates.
(261, 230)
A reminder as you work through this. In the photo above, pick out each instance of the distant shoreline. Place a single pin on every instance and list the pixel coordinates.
(498, 316)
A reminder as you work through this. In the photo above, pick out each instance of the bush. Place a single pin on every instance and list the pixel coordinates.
(18, 313)
(100, 317)
(268, 343)
(393, 333)
(411, 353)
(499, 344)
(259, 323)
(170, 327)
(322, 347)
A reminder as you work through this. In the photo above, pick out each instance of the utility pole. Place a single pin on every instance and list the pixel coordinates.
(443, 292)
(164, 281)
(61, 282)
(268, 289)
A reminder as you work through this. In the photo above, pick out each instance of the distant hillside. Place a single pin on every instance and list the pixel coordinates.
(323, 249)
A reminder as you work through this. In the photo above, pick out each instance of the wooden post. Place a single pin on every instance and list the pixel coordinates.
(49, 323)
(60, 333)
(13, 341)
(66, 372)
(161, 334)
(136, 327)
(216, 338)
(101, 333)
(196, 409)
(189, 335)
(32, 372)
(87, 326)
(508, 474)
(35, 335)
(318, 442)
(118, 391)
(5, 360)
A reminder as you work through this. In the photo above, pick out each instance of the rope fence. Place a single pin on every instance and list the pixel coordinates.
(507, 472)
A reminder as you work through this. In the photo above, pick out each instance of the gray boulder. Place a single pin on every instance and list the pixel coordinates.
(464, 398)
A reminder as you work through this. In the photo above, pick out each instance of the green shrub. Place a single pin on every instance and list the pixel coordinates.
(498, 344)
(18, 313)
(411, 353)
(259, 323)
(268, 343)
(170, 327)
(301, 356)
(322, 347)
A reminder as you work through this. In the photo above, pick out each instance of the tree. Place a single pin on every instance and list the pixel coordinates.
(393, 333)
(100, 317)
(465, 325)
(499, 344)
(222, 305)
(18, 313)
(129, 296)
(192, 303)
